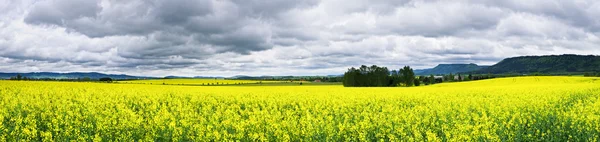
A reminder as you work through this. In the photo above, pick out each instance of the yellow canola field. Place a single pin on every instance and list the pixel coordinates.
(507, 109)
(194, 81)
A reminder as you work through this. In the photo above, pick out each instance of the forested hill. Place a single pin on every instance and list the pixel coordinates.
(551, 64)
(449, 68)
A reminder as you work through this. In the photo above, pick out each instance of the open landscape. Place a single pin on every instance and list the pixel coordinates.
(299, 70)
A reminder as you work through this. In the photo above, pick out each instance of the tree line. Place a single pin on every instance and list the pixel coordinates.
(294, 78)
(376, 76)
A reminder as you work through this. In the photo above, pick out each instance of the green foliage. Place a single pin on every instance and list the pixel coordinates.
(431, 79)
(408, 76)
(106, 79)
(468, 78)
(364, 76)
(417, 82)
(375, 76)
(395, 78)
(86, 79)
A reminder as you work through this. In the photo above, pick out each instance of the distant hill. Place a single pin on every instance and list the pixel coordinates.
(195, 77)
(420, 71)
(245, 77)
(209, 77)
(449, 68)
(176, 77)
(73, 75)
(551, 64)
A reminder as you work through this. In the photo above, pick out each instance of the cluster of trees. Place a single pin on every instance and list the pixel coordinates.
(326, 79)
(428, 80)
(19, 77)
(106, 79)
(375, 76)
(458, 77)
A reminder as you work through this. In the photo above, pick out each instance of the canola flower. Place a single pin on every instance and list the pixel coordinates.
(507, 109)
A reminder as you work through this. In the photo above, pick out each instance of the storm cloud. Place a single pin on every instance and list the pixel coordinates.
(284, 37)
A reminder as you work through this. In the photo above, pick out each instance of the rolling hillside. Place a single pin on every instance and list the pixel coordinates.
(551, 64)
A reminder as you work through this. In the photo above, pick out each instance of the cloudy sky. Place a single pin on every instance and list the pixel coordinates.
(284, 37)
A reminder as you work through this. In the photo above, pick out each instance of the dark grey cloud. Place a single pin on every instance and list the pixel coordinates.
(180, 11)
(60, 12)
(258, 37)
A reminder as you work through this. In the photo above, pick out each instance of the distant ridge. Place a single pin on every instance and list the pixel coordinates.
(176, 77)
(549, 64)
(72, 75)
(449, 68)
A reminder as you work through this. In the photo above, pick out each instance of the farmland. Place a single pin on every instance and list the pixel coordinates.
(506, 109)
(222, 82)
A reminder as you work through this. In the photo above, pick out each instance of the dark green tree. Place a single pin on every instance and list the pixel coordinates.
(106, 79)
(351, 77)
(466, 78)
(425, 80)
(408, 76)
(394, 78)
(431, 79)
(86, 79)
(417, 82)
